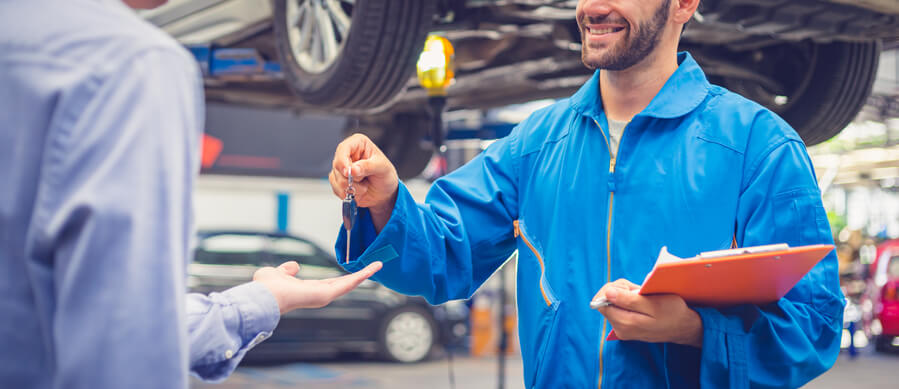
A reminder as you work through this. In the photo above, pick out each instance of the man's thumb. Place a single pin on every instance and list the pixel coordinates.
(290, 268)
(370, 167)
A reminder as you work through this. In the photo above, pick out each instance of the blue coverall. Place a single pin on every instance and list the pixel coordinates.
(697, 168)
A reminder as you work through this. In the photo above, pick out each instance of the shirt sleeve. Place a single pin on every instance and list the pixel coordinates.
(222, 327)
(457, 238)
(114, 222)
(791, 341)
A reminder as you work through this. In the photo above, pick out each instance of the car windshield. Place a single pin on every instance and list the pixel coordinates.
(290, 249)
(259, 250)
(231, 249)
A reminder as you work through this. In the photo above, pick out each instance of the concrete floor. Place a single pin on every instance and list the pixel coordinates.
(869, 370)
(358, 373)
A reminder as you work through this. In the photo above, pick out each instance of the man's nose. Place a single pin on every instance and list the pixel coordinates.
(595, 8)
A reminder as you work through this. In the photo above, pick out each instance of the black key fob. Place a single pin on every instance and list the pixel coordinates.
(349, 212)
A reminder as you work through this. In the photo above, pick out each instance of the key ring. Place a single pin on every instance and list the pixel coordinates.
(350, 191)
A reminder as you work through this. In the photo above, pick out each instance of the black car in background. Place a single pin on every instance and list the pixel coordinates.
(370, 319)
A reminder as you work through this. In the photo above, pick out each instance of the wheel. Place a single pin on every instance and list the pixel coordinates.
(882, 343)
(408, 335)
(352, 54)
(817, 88)
(401, 138)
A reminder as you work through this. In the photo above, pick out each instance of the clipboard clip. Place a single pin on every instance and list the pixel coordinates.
(744, 251)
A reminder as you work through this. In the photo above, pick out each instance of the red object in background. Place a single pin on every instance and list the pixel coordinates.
(889, 308)
(885, 280)
(889, 292)
(211, 148)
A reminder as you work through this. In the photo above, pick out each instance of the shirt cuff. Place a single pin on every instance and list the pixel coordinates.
(259, 311)
(724, 349)
(258, 314)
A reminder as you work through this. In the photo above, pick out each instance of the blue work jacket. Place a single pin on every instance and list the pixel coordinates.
(697, 168)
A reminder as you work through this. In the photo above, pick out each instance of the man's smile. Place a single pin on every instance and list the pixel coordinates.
(599, 33)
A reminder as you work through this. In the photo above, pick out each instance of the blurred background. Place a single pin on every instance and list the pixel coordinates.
(286, 80)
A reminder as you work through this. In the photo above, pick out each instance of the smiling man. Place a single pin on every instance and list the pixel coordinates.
(646, 154)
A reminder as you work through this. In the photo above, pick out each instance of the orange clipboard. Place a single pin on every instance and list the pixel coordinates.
(751, 275)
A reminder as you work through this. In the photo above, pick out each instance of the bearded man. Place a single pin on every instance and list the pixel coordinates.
(646, 154)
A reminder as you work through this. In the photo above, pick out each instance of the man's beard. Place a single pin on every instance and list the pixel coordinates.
(633, 48)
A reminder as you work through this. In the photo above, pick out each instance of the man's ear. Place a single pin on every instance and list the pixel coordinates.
(683, 10)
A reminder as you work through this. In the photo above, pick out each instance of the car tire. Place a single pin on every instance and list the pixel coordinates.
(369, 62)
(882, 343)
(829, 85)
(402, 139)
(407, 335)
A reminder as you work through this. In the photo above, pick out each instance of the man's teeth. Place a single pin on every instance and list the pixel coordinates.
(602, 30)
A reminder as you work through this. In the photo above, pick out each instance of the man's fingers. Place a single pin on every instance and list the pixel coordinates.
(363, 274)
(346, 283)
(625, 284)
(629, 300)
(261, 272)
(290, 268)
(609, 286)
(351, 149)
(373, 166)
(338, 184)
(371, 269)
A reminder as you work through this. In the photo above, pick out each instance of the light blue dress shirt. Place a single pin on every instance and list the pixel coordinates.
(100, 121)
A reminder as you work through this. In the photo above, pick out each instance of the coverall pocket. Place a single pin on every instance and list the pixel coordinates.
(536, 253)
(546, 335)
(800, 219)
(538, 309)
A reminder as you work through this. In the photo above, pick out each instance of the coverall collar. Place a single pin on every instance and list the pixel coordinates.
(680, 95)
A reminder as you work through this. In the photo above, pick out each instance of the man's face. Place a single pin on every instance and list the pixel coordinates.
(617, 34)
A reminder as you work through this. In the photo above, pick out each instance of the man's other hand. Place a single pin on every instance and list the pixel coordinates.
(374, 177)
(293, 293)
(654, 318)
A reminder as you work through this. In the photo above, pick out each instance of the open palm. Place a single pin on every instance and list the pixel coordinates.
(293, 293)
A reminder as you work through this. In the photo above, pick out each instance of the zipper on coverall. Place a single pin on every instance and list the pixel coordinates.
(612, 160)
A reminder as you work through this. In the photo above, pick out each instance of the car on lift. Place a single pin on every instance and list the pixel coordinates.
(370, 319)
(812, 61)
(884, 288)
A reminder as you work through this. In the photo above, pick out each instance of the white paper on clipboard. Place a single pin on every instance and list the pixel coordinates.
(744, 251)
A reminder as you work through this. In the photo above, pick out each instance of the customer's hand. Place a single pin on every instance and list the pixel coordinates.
(654, 318)
(374, 177)
(292, 293)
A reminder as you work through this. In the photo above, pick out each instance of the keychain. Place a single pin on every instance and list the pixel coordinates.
(349, 212)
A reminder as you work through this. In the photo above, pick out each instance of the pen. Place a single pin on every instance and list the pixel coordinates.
(599, 303)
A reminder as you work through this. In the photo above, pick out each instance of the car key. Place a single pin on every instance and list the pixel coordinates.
(349, 212)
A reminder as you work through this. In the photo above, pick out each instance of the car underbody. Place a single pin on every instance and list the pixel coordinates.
(811, 61)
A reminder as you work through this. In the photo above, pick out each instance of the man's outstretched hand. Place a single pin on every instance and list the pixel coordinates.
(293, 293)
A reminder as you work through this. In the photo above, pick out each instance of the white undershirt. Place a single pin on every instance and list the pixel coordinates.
(616, 129)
